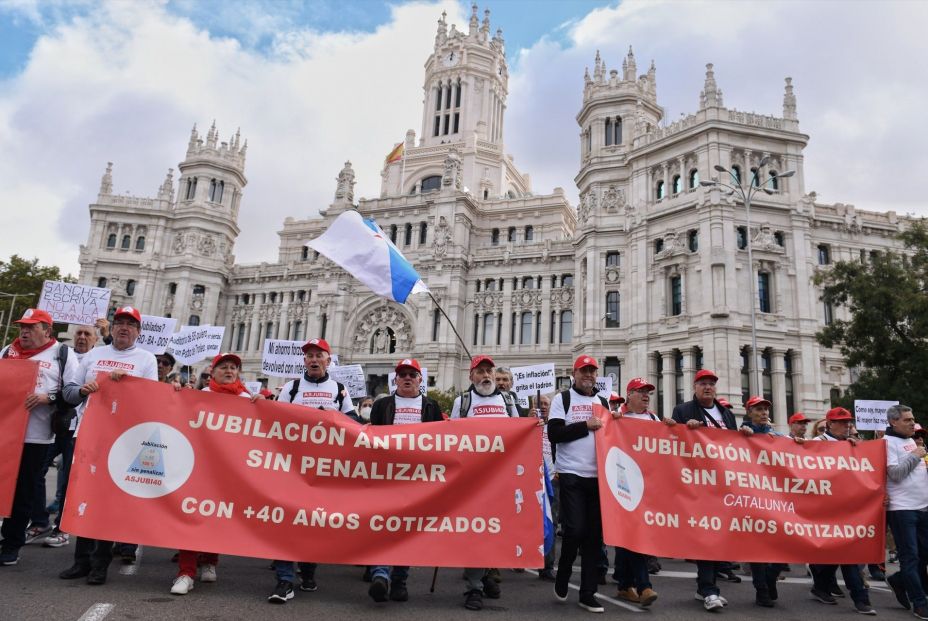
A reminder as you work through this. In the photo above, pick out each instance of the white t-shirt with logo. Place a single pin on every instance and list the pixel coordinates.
(716, 415)
(39, 427)
(911, 493)
(134, 361)
(483, 407)
(319, 395)
(408, 410)
(579, 456)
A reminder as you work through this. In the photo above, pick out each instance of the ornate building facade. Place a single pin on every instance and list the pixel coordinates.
(649, 272)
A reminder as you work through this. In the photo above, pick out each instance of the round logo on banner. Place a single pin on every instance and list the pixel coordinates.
(150, 460)
(624, 478)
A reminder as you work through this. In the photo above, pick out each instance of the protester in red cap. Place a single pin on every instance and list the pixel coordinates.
(571, 425)
(224, 379)
(704, 410)
(631, 568)
(797, 425)
(406, 406)
(93, 557)
(615, 401)
(35, 342)
(824, 577)
(482, 399)
(314, 390)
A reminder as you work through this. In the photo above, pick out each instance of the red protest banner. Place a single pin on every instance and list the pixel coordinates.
(715, 494)
(18, 378)
(217, 473)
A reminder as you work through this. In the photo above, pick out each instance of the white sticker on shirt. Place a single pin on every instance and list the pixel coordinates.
(579, 413)
(489, 411)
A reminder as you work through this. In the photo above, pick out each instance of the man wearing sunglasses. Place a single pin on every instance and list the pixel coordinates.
(404, 407)
(166, 364)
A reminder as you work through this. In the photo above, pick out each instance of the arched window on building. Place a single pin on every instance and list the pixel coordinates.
(511, 234)
(692, 240)
(763, 291)
(659, 190)
(304, 253)
(528, 282)
(736, 173)
(431, 184)
(199, 290)
(423, 232)
(101, 282)
(617, 131)
(790, 398)
(436, 324)
(612, 258)
(111, 240)
(741, 235)
(676, 295)
(240, 337)
(140, 243)
(193, 320)
(126, 242)
(172, 289)
(323, 324)
(824, 254)
(745, 374)
(679, 388)
(567, 326)
(677, 184)
(525, 337)
(191, 189)
(659, 382)
(130, 287)
(613, 318)
(529, 233)
(494, 237)
(609, 135)
(407, 234)
(774, 182)
(694, 179)
(489, 328)
(755, 177)
(567, 280)
(393, 233)
(766, 362)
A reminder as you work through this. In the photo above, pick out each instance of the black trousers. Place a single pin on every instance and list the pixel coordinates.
(30, 469)
(93, 553)
(583, 529)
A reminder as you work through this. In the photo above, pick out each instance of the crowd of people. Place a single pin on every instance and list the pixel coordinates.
(68, 376)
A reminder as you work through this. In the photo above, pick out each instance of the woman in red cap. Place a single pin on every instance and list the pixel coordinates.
(224, 379)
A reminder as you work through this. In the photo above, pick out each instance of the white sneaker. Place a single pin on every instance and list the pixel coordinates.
(208, 573)
(721, 599)
(182, 585)
(57, 539)
(711, 602)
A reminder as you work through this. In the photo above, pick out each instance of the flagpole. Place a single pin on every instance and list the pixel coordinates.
(451, 323)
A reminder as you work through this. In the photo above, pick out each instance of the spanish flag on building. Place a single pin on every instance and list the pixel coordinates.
(396, 154)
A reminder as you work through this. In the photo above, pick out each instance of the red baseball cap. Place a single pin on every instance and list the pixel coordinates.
(130, 312)
(798, 417)
(725, 403)
(408, 363)
(838, 414)
(919, 429)
(35, 315)
(227, 356)
(318, 343)
(478, 360)
(615, 398)
(264, 392)
(705, 374)
(585, 361)
(756, 401)
(637, 383)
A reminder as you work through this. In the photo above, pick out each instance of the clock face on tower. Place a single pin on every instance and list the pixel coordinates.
(451, 58)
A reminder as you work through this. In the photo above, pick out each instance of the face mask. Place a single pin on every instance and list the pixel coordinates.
(365, 413)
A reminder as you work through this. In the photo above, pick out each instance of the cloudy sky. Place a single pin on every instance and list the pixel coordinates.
(312, 84)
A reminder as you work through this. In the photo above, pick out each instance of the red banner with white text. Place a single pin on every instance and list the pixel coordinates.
(717, 494)
(217, 473)
(18, 378)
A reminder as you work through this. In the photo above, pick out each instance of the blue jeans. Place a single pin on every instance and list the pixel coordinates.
(631, 570)
(705, 578)
(824, 578)
(397, 573)
(910, 532)
(286, 571)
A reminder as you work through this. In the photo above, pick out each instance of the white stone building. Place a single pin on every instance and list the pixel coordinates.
(649, 273)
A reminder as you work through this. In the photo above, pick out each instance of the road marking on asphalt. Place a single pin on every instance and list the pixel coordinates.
(605, 598)
(97, 612)
(131, 570)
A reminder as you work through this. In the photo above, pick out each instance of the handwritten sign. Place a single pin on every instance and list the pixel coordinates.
(156, 333)
(604, 387)
(281, 358)
(352, 376)
(195, 343)
(871, 415)
(72, 303)
(527, 381)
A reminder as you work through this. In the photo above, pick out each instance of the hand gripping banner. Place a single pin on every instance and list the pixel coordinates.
(715, 494)
(18, 378)
(217, 473)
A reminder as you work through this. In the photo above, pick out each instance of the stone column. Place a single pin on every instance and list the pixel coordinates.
(255, 334)
(546, 291)
(689, 366)
(778, 385)
(669, 375)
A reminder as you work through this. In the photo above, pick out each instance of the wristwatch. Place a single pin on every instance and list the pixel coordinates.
(51, 397)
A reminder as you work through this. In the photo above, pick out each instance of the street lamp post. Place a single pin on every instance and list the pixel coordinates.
(746, 195)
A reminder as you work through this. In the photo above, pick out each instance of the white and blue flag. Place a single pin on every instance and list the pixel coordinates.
(363, 250)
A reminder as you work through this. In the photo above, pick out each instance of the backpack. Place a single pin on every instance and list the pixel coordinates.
(64, 413)
(465, 403)
(339, 398)
(565, 400)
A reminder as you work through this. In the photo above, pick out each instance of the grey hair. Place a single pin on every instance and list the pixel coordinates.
(895, 412)
(503, 371)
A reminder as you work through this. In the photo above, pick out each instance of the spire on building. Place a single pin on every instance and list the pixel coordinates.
(630, 69)
(442, 34)
(652, 79)
(498, 40)
(711, 95)
(243, 150)
(344, 191)
(166, 192)
(106, 182)
(212, 136)
(598, 68)
(586, 75)
(789, 102)
(485, 27)
(474, 22)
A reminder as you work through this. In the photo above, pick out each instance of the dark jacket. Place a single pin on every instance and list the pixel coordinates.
(385, 408)
(691, 410)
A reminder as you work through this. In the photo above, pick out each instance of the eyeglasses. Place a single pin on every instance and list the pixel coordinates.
(412, 374)
(644, 391)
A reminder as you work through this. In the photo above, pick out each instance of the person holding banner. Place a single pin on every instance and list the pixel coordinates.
(482, 399)
(704, 410)
(504, 380)
(122, 357)
(797, 425)
(35, 342)
(907, 514)
(166, 364)
(824, 577)
(314, 390)
(224, 379)
(406, 406)
(631, 568)
(571, 425)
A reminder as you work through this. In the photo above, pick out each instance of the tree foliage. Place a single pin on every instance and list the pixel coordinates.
(887, 333)
(445, 398)
(24, 278)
